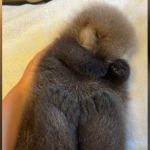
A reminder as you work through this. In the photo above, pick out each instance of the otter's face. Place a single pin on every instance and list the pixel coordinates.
(112, 39)
(101, 41)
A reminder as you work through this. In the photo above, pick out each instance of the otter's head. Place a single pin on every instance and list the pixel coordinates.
(104, 30)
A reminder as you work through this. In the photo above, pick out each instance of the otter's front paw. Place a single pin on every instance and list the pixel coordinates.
(118, 70)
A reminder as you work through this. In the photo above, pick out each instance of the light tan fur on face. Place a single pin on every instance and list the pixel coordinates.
(104, 30)
(87, 38)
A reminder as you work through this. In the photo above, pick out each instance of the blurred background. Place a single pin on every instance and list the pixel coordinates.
(28, 29)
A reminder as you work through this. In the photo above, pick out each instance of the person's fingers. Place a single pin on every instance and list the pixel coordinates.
(11, 114)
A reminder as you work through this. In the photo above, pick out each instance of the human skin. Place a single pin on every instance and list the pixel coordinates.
(14, 102)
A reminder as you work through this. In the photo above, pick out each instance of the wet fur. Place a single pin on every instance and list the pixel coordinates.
(77, 101)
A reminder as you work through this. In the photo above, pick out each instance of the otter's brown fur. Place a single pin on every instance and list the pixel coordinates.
(103, 29)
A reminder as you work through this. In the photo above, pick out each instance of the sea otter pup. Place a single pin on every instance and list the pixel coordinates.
(79, 93)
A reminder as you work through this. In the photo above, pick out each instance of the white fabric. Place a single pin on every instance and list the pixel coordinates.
(29, 28)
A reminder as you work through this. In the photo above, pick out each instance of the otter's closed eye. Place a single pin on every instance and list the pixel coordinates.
(98, 36)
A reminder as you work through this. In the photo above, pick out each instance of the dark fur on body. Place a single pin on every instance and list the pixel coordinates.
(71, 107)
